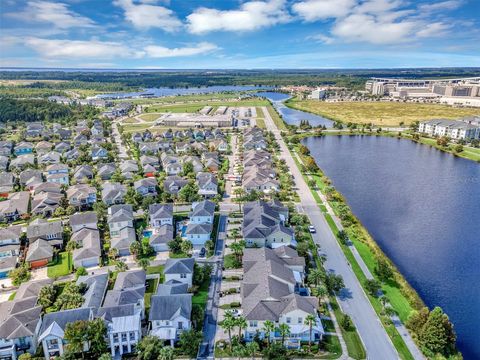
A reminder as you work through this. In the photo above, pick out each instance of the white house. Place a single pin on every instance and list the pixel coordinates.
(179, 270)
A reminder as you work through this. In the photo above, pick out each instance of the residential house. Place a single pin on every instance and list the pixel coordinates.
(45, 203)
(22, 161)
(4, 162)
(34, 130)
(171, 164)
(6, 184)
(30, 178)
(207, 184)
(81, 195)
(9, 249)
(51, 231)
(220, 145)
(173, 184)
(170, 311)
(39, 254)
(161, 237)
(20, 321)
(72, 155)
(96, 287)
(160, 214)
(88, 252)
(122, 231)
(85, 220)
(146, 187)
(83, 173)
(48, 158)
(124, 328)
(129, 288)
(80, 139)
(128, 168)
(149, 160)
(98, 153)
(105, 171)
(62, 147)
(47, 187)
(182, 147)
(179, 270)
(148, 148)
(6, 147)
(15, 207)
(202, 212)
(57, 174)
(113, 193)
(23, 148)
(264, 224)
(52, 331)
(43, 147)
(269, 293)
(195, 161)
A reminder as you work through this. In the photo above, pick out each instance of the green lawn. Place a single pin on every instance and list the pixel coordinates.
(229, 262)
(467, 153)
(150, 289)
(276, 118)
(352, 339)
(332, 345)
(12, 296)
(201, 296)
(178, 108)
(61, 266)
(328, 325)
(150, 117)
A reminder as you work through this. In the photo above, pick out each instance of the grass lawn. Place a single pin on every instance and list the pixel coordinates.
(379, 113)
(156, 270)
(276, 118)
(260, 118)
(177, 108)
(229, 262)
(468, 152)
(150, 289)
(135, 127)
(352, 340)
(201, 296)
(130, 120)
(12, 296)
(61, 266)
(149, 117)
(332, 345)
(328, 325)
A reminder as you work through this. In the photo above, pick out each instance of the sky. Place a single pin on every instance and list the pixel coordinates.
(239, 34)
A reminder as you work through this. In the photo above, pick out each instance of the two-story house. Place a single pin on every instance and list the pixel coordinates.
(113, 193)
(146, 187)
(122, 231)
(81, 195)
(207, 184)
(179, 270)
(160, 214)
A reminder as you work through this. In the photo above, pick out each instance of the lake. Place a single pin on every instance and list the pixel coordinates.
(292, 116)
(165, 91)
(422, 207)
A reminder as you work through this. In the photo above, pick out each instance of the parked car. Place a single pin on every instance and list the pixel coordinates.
(202, 252)
(312, 230)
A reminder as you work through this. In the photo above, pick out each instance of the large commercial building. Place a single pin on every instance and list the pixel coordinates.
(464, 91)
(455, 129)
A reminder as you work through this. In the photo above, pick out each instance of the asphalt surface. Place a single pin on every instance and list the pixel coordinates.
(352, 299)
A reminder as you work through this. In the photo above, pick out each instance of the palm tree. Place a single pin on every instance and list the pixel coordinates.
(241, 323)
(186, 246)
(143, 263)
(228, 324)
(320, 292)
(251, 349)
(268, 328)
(284, 330)
(310, 320)
(239, 194)
(237, 248)
(316, 276)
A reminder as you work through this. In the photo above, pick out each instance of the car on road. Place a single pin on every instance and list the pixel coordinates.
(202, 252)
(312, 230)
(235, 312)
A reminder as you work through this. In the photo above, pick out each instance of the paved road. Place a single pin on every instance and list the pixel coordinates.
(352, 299)
(207, 347)
(122, 151)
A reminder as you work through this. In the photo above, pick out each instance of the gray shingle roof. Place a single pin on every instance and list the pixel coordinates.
(203, 208)
(39, 250)
(96, 288)
(163, 235)
(167, 307)
(179, 266)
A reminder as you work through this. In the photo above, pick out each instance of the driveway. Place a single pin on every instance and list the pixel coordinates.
(352, 299)
(228, 299)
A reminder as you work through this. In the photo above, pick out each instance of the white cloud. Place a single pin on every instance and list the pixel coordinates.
(312, 10)
(80, 49)
(57, 14)
(249, 16)
(440, 6)
(155, 51)
(322, 38)
(144, 15)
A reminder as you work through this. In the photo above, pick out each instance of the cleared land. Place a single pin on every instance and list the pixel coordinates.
(380, 113)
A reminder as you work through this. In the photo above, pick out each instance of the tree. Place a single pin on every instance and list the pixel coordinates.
(166, 353)
(189, 193)
(148, 348)
(383, 270)
(81, 271)
(346, 322)
(302, 149)
(316, 276)
(144, 263)
(334, 282)
(268, 328)
(241, 323)
(136, 248)
(372, 286)
(71, 297)
(237, 248)
(105, 356)
(239, 197)
(310, 321)
(228, 324)
(312, 183)
(320, 292)
(97, 332)
(343, 237)
(458, 148)
(437, 335)
(20, 275)
(190, 341)
(197, 315)
(187, 169)
(175, 245)
(186, 246)
(275, 351)
(46, 296)
(310, 164)
(72, 245)
(302, 248)
(284, 330)
(417, 320)
(121, 266)
(76, 335)
(251, 349)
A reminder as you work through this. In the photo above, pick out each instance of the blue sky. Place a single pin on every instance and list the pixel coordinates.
(239, 34)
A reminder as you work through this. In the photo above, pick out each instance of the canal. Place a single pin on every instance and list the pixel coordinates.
(422, 207)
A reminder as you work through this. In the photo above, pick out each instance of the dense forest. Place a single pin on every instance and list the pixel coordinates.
(41, 110)
(118, 80)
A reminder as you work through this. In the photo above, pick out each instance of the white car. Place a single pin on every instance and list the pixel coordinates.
(312, 230)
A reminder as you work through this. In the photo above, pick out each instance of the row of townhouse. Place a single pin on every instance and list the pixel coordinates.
(258, 173)
(187, 135)
(24, 327)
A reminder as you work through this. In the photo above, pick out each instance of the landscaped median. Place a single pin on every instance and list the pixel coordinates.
(393, 290)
